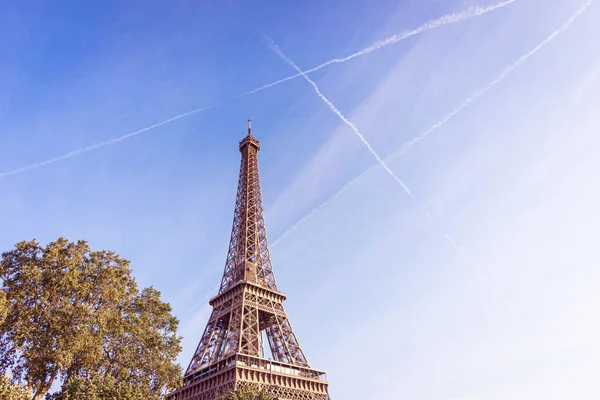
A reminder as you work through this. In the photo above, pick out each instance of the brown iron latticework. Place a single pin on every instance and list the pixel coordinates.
(249, 306)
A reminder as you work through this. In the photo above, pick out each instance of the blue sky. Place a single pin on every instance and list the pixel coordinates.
(376, 295)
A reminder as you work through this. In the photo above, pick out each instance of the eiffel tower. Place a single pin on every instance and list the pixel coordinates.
(248, 308)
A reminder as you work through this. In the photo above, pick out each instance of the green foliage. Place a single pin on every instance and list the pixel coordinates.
(74, 312)
(98, 387)
(12, 391)
(247, 393)
(3, 306)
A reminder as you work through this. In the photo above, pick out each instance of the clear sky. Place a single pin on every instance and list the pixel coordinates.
(376, 294)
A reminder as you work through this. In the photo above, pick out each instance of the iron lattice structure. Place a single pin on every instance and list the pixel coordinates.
(247, 308)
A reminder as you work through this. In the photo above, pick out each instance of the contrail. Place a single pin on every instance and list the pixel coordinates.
(207, 297)
(507, 71)
(432, 24)
(99, 144)
(334, 109)
(482, 276)
(315, 210)
(464, 104)
(382, 163)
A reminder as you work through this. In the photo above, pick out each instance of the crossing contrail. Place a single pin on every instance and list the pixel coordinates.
(334, 109)
(99, 144)
(464, 104)
(430, 25)
(448, 238)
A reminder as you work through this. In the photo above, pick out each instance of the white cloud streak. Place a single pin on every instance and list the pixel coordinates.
(464, 104)
(505, 72)
(334, 109)
(430, 25)
(482, 276)
(316, 210)
(99, 144)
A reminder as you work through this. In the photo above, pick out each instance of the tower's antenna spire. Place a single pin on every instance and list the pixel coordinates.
(249, 127)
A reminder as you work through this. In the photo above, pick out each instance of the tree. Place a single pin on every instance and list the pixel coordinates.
(3, 306)
(247, 393)
(74, 312)
(12, 391)
(100, 387)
